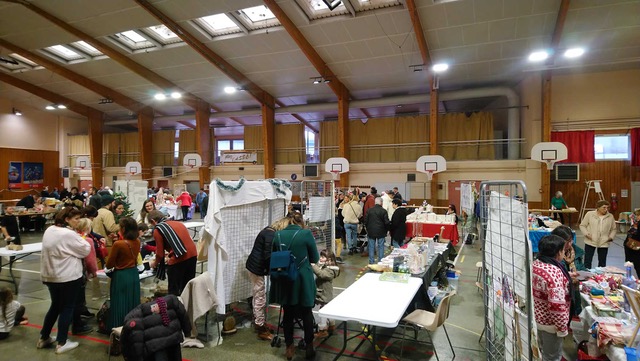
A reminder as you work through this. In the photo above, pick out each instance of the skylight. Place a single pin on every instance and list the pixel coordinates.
(258, 13)
(133, 40)
(64, 52)
(85, 47)
(316, 9)
(163, 32)
(218, 24)
(363, 5)
(22, 59)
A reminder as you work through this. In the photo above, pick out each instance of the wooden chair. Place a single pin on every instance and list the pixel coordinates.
(633, 296)
(429, 321)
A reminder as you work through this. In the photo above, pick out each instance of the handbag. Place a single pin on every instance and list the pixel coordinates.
(361, 218)
(633, 239)
(283, 265)
(101, 249)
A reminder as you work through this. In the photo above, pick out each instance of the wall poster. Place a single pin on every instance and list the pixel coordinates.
(25, 175)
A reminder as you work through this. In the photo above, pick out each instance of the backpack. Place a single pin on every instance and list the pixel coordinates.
(103, 316)
(283, 265)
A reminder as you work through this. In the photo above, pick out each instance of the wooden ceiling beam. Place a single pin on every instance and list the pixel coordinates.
(560, 20)
(419, 31)
(186, 123)
(224, 66)
(81, 80)
(164, 84)
(321, 67)
(72, 105)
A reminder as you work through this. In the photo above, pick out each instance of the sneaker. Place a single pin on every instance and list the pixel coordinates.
(310, 352)
(265, 335)
(290, 351)
(86, 329)
(9, 239)
(45, 343)
(68, 346)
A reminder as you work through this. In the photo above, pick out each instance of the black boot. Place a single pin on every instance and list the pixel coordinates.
(310, 353)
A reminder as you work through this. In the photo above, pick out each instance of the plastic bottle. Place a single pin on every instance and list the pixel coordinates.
(432, 291)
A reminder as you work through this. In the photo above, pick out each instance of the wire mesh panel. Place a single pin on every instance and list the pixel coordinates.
(506, 270)
(241, 225)
(319, 212)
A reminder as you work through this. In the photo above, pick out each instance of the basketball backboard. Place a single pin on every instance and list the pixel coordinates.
(336, 166)
(83, 162)
(549, 153)
(431, 164)
(192, 160)
(133, 168)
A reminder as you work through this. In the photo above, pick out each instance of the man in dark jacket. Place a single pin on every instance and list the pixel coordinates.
(94, 198)
(258, 267)
(377, 222)
(398, 228)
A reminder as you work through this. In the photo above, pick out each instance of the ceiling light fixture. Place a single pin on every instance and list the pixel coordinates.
(105, 101)
(50, 107)
(320, 79)
(62, 106)
(230, 89)
(573, 53)
(16, 112)
(440, 67)
(160, 96)
(176, 95)
(539, 55)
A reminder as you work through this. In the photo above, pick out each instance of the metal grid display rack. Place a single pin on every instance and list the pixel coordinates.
(506, 273)
(319, 211)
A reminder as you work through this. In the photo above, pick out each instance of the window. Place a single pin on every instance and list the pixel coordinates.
(23, 59)
(228, 144)
(610, 147)
(310, 146)
(176, 150)
(219, 24)
(133, 40)
(316, 9)
(64, 53)
(85, 47)
(257, 17)
(163, 34)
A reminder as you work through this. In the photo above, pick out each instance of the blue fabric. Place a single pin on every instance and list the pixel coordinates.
(352, 234)
(536, 235)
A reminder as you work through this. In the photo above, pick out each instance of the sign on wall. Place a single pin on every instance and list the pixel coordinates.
(25, 175)
(238, 157)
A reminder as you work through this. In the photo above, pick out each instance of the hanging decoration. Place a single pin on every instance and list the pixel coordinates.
(229, 188)
(280, 185)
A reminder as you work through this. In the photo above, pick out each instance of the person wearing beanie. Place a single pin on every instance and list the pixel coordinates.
(105, 223)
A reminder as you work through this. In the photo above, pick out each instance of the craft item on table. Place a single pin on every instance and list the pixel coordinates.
(608, 330)
(596, 292)
(395, 277)
(606, 308)
(584, 275)
(612, 269)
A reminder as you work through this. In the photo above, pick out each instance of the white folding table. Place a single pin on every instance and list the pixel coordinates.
(144, 275)
(194, 226)
(372, 302)
(13, 256)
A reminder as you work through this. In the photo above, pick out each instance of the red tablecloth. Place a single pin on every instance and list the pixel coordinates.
(431, 229)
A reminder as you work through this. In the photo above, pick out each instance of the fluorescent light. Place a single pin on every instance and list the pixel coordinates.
(176, 95)
(229, 89)
(440, 67)
(16, 112)
(317, 80)
(573, 52)
(160, 96)
(538, 55)
(50, 107)
(61, 106)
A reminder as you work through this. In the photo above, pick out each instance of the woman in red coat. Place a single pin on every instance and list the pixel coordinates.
(185, 204)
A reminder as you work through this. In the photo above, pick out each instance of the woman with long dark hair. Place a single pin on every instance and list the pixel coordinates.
(148, 206)
(125, 283)
(61, 271)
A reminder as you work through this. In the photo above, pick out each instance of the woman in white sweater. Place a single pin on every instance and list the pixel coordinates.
(599, 230)
(61, 271)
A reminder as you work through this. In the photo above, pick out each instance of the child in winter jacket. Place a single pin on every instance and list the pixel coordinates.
(325, 271)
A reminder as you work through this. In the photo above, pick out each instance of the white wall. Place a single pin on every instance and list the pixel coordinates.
(35, 129)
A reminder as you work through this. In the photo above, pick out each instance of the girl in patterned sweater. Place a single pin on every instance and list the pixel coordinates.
(551, 296)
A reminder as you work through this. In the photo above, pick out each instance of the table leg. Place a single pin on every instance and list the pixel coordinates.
(344, 340)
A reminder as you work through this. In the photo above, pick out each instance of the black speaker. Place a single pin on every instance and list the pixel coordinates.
(411, 177)
(66, 172)
(167, 172)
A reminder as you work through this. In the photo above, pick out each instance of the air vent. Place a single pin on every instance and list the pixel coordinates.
(567, 172)
(411, 177)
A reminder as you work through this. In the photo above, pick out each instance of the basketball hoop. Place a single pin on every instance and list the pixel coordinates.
(335, 174)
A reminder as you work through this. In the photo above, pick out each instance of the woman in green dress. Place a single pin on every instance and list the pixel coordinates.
(125, 283)
(297, 298)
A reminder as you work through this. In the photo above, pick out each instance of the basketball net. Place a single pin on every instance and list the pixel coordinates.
(549, 164)
(335, 174)
(430, 175)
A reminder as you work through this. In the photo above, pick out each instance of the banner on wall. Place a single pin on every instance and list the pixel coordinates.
(25, 175)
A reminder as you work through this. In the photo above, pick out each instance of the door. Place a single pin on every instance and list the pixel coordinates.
(635, 195)
(163, 183)
(85, 184)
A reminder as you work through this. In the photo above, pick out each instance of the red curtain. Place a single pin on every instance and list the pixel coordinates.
(580, 145)
(635, 147)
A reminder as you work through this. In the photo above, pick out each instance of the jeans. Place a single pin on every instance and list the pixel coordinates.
(376, 243)
(588, 255)
(395, 244)
(352, 235)
(550, 346)
(63, 300)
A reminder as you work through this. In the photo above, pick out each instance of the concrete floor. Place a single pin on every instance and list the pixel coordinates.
(465, 323)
